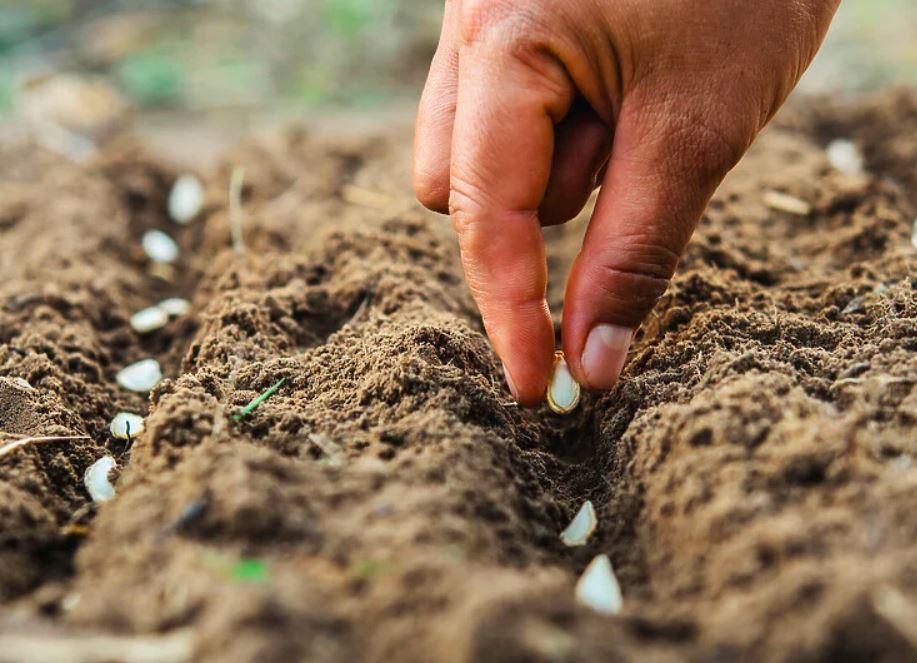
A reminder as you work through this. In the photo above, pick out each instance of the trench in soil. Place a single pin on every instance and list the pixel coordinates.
(749, 472)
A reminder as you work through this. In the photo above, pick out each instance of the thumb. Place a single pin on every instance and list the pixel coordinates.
(665, 164)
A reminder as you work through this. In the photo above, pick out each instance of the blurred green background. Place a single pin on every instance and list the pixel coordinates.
(293, 56)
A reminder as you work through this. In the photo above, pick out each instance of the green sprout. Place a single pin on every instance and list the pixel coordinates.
(367, 569)
(250, 570)
(258, 400)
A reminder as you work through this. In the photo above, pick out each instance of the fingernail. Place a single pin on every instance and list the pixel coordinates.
(604, 355)
(510, 383)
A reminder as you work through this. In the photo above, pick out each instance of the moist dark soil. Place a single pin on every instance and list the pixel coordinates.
(753, 471)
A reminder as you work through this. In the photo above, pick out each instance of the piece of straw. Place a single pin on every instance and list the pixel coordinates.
(57, 647)
(10, 447)
(251, 407)
(236, 180)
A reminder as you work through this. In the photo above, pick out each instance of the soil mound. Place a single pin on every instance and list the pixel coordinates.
(752, 473)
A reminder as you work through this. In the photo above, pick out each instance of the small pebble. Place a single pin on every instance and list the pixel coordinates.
(140, 376)
(175, 306)
(186, 199)
(159, 247)
(581, 527)
(785, 203)
(126, 426)
(563, 391)
(598, 587)
(844, 156)
(96, 480)
(149, 319)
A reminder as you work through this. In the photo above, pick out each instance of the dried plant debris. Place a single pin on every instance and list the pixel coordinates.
(20, 441)
(783, 202)
(236, 182)
(172, 647)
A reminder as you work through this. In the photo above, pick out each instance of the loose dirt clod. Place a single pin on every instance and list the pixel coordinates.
(598, 587)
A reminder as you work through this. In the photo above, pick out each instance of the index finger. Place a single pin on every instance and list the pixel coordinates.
(501, 160)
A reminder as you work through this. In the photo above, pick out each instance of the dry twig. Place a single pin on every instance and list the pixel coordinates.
(20, 442)
(236, 180)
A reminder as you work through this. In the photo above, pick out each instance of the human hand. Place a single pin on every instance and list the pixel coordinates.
(531, 104)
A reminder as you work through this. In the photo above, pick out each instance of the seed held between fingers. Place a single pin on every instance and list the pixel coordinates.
(563, 391)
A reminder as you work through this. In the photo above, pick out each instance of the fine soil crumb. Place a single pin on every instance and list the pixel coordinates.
(753, 472)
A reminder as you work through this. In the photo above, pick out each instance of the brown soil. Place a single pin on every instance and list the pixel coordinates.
(753, 471)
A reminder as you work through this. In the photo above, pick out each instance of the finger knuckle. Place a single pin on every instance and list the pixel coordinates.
(633, 274)
(432, 189)
(465, 204)
(476, 16)
(706, 145)
(516, 20)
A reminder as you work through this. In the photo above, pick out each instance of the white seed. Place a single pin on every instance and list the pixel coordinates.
(70, 602)
(598, 587)
(175, 306)
(785, 203)
(159, 247)
(126, 426)
(914, 234)
(186, 199)
(96, 479)
(581, 527)
(140, 376)
(563, 390)
(149, 319)
(22, 382)
(845, 156)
